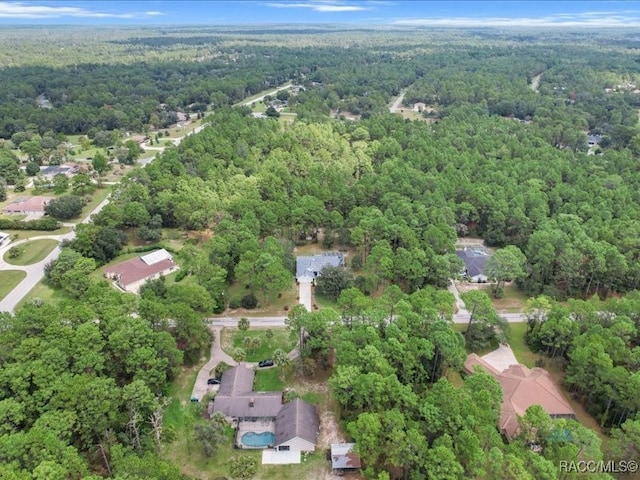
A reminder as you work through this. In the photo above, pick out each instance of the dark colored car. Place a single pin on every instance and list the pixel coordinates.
(213, 381)
(265, 363)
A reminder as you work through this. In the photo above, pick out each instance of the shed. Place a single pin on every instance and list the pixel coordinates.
(343, 457)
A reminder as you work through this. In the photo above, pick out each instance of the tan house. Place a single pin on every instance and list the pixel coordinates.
(523, 387)
(132, 274)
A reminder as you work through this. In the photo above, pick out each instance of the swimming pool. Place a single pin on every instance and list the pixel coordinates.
(258, 440)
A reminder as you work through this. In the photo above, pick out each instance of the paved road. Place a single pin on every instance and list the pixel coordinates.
(35, 272)
(395, 105)
(271, 92)
(279, 321)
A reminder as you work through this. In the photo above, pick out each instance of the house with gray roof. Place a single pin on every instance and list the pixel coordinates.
(297, 427)
(475, 259)
(308, 267)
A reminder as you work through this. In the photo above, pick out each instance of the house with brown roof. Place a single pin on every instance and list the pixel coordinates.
(286, 426)
(132, 274)
(27, 206)
(523, 387)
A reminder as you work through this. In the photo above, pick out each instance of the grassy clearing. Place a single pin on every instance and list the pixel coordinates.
(26, 234)
(513, 301)
(234, 338)
(9, 279)
(520, 349)
(275, 305)
(43, 292)
(33, 252)
(268, 380)
(98, 196)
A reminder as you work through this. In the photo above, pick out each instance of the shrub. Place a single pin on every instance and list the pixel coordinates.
(234, 303)
(45, 224)
(249, 301)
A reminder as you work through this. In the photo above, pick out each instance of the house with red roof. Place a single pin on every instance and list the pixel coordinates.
(523, 387)
(132, 274)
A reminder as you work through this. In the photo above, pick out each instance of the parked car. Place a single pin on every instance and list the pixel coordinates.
(194, 399)
(265, 363)
(213, 381)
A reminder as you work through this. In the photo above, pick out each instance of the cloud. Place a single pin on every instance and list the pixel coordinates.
(22, 10)
(585, 19)
(153, 13)
(320, 6)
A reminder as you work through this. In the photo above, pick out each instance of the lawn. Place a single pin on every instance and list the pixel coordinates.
(268, 380)
(234, 338)
(275, 305)
(25, 234)
(32, 252)
(98, 196)
(43, 292)
(9, 279)
(513, 301)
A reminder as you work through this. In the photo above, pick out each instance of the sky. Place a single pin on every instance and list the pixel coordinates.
(358, 12)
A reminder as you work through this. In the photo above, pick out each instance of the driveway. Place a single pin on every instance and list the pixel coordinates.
(217, 355)
(501, 358)
(304, 289)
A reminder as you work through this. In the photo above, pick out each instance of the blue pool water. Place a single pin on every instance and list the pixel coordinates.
(253, 439)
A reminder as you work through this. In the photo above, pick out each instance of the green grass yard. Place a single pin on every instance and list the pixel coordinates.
(9, 279)
(268, 380)
(33, 252)
(234, 338)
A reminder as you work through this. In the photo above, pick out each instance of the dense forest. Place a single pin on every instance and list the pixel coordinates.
(500, 151)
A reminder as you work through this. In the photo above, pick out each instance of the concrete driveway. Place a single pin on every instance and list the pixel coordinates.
(304, 289)
(200, 388)
(501, 358)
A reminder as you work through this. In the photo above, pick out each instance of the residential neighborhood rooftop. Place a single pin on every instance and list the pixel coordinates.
(523, 387)
(297, 419)
(310, 266)
(140, 268)
(27, 204)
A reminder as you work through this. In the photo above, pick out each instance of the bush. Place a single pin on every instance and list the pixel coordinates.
(15, 252)
(249, 301)
(497, 292)
(65, 207)
(243, 467)
(44, 224)
(181, 275)
(234, 303)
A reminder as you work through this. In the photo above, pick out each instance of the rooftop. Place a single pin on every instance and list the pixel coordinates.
(521, 388)
(297, 419)
(26, 204)
(138, 269)
(311, 265)
(475, 259)
(342, 456)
